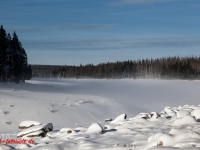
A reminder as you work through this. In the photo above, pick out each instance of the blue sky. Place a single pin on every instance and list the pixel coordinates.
(74, 32)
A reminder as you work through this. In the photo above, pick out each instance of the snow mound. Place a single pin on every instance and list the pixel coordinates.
(162, 139)
(95, 128)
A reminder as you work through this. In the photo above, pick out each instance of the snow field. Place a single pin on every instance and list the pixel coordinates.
(79, 119)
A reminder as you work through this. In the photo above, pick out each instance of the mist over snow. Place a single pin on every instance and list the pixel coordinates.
(133, 96)
(75, 113)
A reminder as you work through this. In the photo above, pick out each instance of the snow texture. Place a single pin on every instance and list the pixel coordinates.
(149, 114)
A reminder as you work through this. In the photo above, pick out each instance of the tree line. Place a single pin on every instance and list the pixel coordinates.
(13, 59)
(166, 68)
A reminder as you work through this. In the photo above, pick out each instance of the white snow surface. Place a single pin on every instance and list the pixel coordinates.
(161, 114)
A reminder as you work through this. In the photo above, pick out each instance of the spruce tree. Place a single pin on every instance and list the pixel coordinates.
(16, 59)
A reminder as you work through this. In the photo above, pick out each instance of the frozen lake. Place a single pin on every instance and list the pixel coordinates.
(134, 96)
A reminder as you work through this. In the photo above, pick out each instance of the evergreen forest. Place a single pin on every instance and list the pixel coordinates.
(13, 59)
(164, 68)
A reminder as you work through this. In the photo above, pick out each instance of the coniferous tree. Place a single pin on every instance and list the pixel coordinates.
(16, 71)
(13, 59)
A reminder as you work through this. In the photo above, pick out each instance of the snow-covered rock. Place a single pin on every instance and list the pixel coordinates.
(46, 128)
(154, 115)
(182, 113)
(144, 116)
(119, 119)
(95, 128)
(196, 114)
(108, 120)
(28, 124)
(162, 115)
(39, 133)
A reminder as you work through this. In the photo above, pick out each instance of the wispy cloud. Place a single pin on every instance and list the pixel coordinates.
(86, 26)
(128, 2)
(110, 44)
(32, 30)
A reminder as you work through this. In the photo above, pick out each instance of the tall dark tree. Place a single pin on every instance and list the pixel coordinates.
(16, 70)
(9, 58)
(164, 71)
(13, 59)
(3, 47)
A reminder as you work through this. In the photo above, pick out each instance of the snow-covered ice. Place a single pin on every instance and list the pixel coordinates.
(143, 114)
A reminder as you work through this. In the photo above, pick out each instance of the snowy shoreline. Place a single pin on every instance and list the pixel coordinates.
(75, 104)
